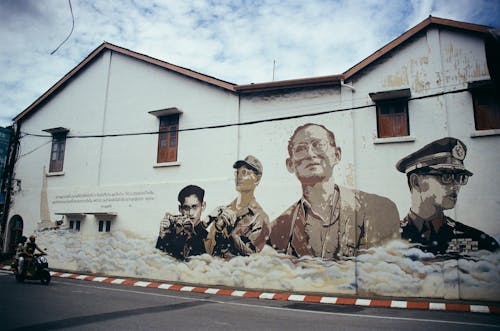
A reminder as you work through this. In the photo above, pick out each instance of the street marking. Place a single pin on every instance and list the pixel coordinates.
(425, 320)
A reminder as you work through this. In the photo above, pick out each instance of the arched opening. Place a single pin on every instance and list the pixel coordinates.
(15, 233)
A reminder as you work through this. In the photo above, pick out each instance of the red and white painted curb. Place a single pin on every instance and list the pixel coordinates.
(425, 305)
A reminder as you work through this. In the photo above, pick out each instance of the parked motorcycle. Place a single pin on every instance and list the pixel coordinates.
(38, 269)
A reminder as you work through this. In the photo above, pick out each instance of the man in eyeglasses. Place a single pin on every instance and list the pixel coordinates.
(435, 175)
(242, 227)
(185, 234)
(329, 221)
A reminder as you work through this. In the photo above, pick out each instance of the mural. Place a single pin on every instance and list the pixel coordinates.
(435, 175)
(240, 228)
(334, 239)
(329, 221)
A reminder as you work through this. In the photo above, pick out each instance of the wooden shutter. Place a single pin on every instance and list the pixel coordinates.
(57, 152)
(168, 138)
(486, 109)
(392, 119)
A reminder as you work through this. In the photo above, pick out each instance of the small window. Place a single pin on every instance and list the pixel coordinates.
(168, 138)
(104, 226)
(392, 112)
(74, 225)
(392, 118)
(486, 108)
(58, 148)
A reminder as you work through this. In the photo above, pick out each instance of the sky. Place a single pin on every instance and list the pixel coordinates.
(240, 41)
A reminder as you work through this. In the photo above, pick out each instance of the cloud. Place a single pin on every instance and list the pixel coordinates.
(236, 41)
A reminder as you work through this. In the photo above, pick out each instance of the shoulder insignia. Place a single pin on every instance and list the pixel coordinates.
(450, 222)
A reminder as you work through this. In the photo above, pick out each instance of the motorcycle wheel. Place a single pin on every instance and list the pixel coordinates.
(45, 277)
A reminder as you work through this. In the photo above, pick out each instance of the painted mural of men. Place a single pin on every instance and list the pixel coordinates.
(435, 175)
(329, 221)
(185, 234)
(242, 227)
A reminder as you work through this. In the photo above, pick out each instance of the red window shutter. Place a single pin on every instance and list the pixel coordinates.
(57, 153)
(392, 119)
(167, 138)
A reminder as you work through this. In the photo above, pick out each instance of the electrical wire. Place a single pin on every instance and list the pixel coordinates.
(72, 27)
(219, 126)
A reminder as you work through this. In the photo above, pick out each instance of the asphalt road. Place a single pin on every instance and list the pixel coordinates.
(68, 304)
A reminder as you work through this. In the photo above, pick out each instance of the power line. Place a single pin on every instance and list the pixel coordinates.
(220, 126)
(72, 27)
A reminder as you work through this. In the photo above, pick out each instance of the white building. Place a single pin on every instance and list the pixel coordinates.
(90, 155)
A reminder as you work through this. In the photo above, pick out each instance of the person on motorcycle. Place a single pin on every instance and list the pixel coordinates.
(19, 256)
(29, 250)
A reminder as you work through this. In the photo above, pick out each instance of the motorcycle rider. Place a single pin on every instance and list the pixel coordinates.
(29, 250)
(19, 256)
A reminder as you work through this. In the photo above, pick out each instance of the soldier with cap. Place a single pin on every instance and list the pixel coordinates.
(435, 175)
(242, 227)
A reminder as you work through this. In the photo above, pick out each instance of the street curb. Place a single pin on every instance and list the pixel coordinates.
(422, 305)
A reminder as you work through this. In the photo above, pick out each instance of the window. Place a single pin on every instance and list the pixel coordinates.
(392, 118)
(486, 106)
(74, 225)
(102, 224)
(392, 113)
(58, 148)
(167, 138)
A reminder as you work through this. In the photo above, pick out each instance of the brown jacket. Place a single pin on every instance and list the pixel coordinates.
(365, 220)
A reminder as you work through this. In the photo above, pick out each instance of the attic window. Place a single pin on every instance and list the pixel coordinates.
(392, 113)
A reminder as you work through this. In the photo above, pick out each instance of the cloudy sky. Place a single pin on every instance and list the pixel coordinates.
(236, 40)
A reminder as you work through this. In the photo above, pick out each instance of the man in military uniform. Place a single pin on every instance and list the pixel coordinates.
(242, 227)
(435, 175)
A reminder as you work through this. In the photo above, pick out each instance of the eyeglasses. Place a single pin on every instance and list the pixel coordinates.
(243, 171)
(448, 178)
(301, 150)
(187, 208)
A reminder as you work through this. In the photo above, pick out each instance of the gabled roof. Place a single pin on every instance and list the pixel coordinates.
(436, 21)
(107, 46)
(310, 82)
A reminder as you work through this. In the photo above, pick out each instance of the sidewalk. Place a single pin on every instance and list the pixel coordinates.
(423, 304)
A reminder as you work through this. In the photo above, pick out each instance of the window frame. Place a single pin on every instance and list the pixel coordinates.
(167, 148)
(401, 107)
(398, 99)
(57, 149)
(486, 116)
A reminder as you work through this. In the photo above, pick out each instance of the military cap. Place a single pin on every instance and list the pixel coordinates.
(446, 154)
(250, 162)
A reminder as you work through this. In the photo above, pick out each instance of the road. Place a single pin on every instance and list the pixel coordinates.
(68, 304)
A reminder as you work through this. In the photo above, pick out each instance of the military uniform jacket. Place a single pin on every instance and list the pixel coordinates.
(248, 234)
(365, 220)
(452, 237)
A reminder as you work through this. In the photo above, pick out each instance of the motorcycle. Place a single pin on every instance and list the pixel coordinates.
(38, 269)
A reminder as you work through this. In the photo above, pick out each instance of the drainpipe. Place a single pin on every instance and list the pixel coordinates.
(8, 174)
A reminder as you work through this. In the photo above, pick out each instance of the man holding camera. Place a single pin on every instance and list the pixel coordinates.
(185, 234)
(242, 227)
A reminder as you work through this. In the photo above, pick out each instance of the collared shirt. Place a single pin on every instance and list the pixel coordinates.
(248, 234)
(320, 230)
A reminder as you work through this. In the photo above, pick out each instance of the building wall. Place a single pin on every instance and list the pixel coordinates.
(119, 175)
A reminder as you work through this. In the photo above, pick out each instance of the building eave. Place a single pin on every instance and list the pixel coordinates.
(107, 46)
(409, 35)
(323, 81)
